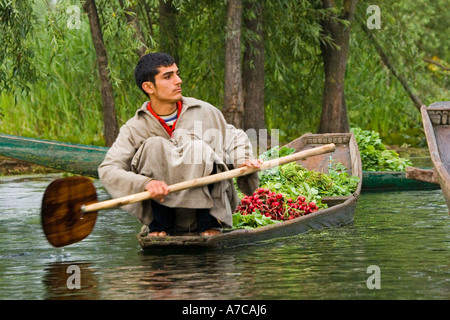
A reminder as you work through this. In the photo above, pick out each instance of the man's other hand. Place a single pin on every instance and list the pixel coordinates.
(253, 163)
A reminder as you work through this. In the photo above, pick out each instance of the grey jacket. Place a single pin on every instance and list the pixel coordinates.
(144, 150)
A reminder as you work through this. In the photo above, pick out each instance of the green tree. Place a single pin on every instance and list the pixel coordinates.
(16, 53)
(410, 33)
(49, 72)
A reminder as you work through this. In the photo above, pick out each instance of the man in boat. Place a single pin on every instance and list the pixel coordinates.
(172, 139)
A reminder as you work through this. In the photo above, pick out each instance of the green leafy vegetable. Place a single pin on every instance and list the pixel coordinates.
(294, 180)
(374, 155)
(290, 191)
(251, 221)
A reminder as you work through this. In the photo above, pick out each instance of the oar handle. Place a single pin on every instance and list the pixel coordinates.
(203, 181)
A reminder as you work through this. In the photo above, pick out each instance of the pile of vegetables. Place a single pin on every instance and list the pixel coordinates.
(290, 191)
(374, 155)
(275, 205)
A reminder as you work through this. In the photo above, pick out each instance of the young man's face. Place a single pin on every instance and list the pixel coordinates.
(167, 86)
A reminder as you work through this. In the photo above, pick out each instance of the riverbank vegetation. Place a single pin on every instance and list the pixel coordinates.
(51, 87)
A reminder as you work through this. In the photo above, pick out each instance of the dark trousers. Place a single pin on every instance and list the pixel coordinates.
(164, 217)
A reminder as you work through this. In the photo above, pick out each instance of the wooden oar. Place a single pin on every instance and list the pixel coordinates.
(70, 206)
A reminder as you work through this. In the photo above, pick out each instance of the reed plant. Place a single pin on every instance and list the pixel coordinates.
(65, 102)
(61, 104)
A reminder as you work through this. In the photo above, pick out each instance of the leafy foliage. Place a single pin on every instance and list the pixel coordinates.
(251, 221)
(50, 88)
(293, 180)
(410, 33)
(16, 54)
(375, 156)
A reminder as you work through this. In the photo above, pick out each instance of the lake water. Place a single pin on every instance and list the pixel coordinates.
(398, 242)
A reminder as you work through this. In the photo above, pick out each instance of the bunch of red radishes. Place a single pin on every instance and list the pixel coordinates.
(275, 206)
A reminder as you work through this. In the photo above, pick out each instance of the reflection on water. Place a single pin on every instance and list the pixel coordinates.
(405, 234)
(62, 281)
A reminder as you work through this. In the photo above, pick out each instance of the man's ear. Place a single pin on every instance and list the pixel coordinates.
(148, 87)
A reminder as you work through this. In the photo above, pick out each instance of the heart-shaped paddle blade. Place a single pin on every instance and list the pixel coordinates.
(62, 219)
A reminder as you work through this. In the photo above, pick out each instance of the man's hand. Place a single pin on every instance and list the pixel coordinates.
(157, 189)
(253, 163)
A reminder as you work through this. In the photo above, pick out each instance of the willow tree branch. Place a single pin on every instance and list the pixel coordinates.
(415, 99)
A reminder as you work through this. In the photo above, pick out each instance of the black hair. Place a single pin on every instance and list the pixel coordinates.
(147, 67)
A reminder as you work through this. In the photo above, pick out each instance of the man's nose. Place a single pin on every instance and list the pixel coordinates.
(178, 79)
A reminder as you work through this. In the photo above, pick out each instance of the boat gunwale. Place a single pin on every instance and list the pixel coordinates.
(55, 143)
(442, 172)
(431, 138)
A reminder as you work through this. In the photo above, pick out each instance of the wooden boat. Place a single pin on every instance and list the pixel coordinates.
(339, 212)
(436, 124)
(84, 160)
(75, 158)
(393, 181)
